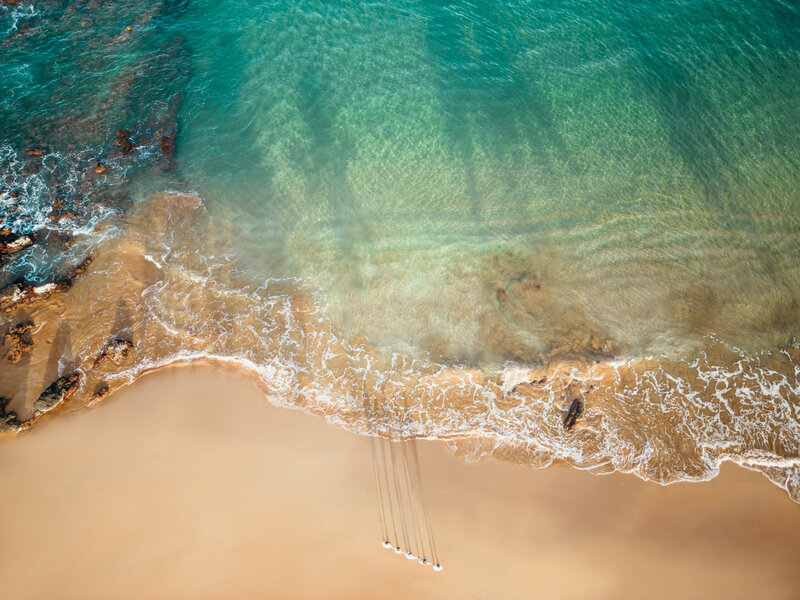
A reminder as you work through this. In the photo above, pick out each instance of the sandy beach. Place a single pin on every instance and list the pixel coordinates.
(543, 257)
(189, 484)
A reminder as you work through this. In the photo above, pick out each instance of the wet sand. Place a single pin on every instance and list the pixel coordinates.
(188, 484)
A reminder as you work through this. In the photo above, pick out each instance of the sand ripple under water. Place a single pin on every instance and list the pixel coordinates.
(166, 279)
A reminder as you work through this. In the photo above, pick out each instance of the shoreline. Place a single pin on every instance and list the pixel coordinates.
(470, 447)
(460, 445)
(190, 485)
(660, 419)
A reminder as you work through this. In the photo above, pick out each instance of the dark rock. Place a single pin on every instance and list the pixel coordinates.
(123, 141)
(125, 146)
(74, 272)
(100, 393)
(117, 351)
(58, 392)
(19, 341)
(8, 420)
(10, 295)
(573, 414)
(167, 144)
(57, 215)
(533, 382)
(11, 243)
(18, 294)
(501, 295)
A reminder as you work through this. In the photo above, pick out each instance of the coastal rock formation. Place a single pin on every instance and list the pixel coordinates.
(100, 393)
(18, 341)
(123, 141)
(58, 216)
(74, 272)
(8, 421)
(10, 243)
(19, 294)
(166, 142)
(116, 351)
(57, 392)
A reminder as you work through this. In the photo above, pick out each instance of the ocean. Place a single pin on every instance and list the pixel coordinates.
(423, 219)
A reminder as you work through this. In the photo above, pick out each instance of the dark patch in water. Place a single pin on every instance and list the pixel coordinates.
(573, 414)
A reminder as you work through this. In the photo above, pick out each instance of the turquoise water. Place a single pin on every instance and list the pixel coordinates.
(469, 183)
(643, 159)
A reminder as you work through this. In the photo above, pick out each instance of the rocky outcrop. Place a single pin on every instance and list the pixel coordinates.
(123, 141)
(166, 142)
(20, 294)
(11, 243)
(8, 420)
(19, 341)
(74, 272)
(60, 212)
(100, 393)
(116, 351)
(57, 393)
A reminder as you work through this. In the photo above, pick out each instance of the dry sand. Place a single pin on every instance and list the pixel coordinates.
(188, 484)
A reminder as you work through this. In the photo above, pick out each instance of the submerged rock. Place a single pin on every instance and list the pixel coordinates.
(167, 143)
(19, 341)
(117, 351)
(573, 414)
(57, 392)
(123, 141)
(58, 216)
(8, 420)
(124, 35)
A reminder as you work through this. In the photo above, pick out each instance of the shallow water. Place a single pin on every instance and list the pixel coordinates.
(402, 211)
